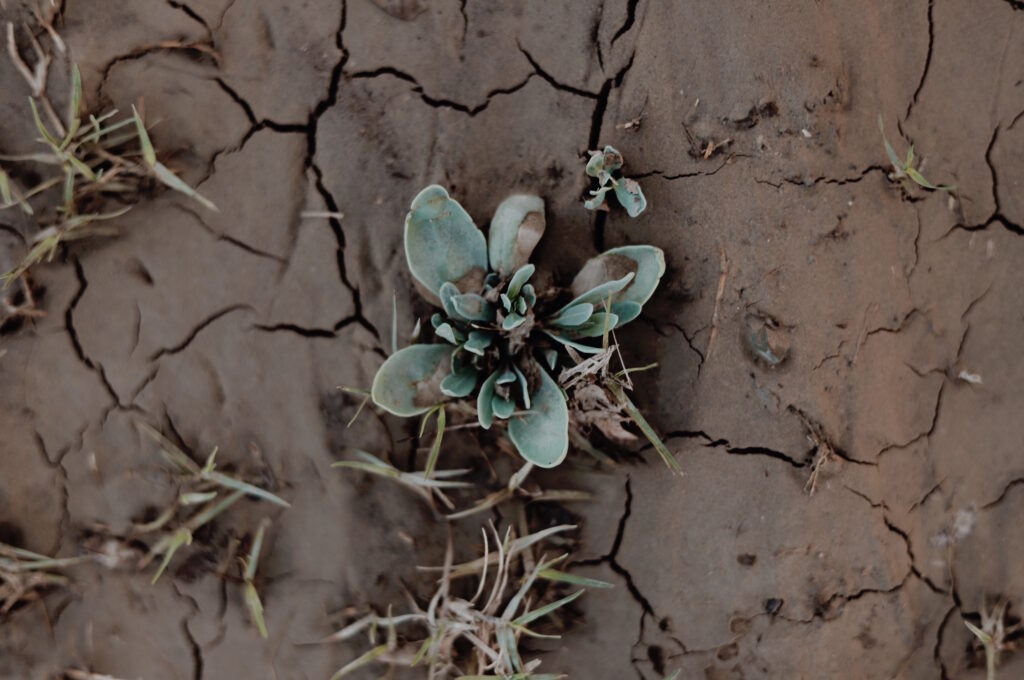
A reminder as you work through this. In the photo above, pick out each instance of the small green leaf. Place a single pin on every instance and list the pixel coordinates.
(148, 153)
(596, 326)
(578, 346)
(448, 332)
(472, 307)
(516, 228)
(634, 413)
(435, 448)
(573, 316)
(478, 341)
(523, 387)
(172, 181)
(255, 606)
(521, 276)
(460, 382)
(540, 612)
(893, 158)
(366, 659)
(626, 311)
(913, 174)
(47, 137)
(408, 383)
(542, 435)
(564, 577)
(511, 321)
(441, 242)
(502, 407)
(484, 408)
(597, 295)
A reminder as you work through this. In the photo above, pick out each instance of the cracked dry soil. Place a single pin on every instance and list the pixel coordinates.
(234, 329)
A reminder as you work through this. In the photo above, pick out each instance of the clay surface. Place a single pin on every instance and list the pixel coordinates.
(236, 329)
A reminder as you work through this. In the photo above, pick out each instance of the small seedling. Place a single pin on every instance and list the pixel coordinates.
(202, 486)
(501, 338)
(606, 167)
(89, 161)
(26, 575)
(475, 637)
(428, 488)
(904, 168)
(992, 634)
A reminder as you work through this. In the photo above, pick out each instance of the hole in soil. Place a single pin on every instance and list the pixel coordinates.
(12, 535)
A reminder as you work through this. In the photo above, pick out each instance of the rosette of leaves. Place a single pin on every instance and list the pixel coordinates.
(606, 167)
(499, 338)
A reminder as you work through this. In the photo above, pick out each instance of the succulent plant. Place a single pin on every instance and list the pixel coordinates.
(499, 337)
(605, 165)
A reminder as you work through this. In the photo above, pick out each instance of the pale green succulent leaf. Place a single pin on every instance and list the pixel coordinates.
(647, 263)
(523, 387)
(506, 377)
(529, 294)
(447, 294)
(595, 326)
(512, 321)
(574, 316)
(502, 407)
(578, 346)
(484, 408)
(478, 341)
(473, 307)
(542, 435)
(516, 228)
(597, 295)
(626, 311)
(448, 332)
(630, 196)
(408, 382)
(460, 382)
(441, 242)
(519, 279)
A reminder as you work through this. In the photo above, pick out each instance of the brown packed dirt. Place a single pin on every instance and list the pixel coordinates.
(752, 128)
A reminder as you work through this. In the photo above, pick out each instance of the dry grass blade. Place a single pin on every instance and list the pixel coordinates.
(186, 467)
(25, 575)
(252, 597)
(84, 158)
(182, 536)
(466, 640)
(634, 413)
(514, 547)
(367, 658)
(428, 489)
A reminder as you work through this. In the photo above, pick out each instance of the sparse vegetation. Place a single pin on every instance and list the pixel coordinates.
(207, 489)
(92, 168)
(490, 623)
(25, 575)
(905, 168)
(993, 634)
(606, 167)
